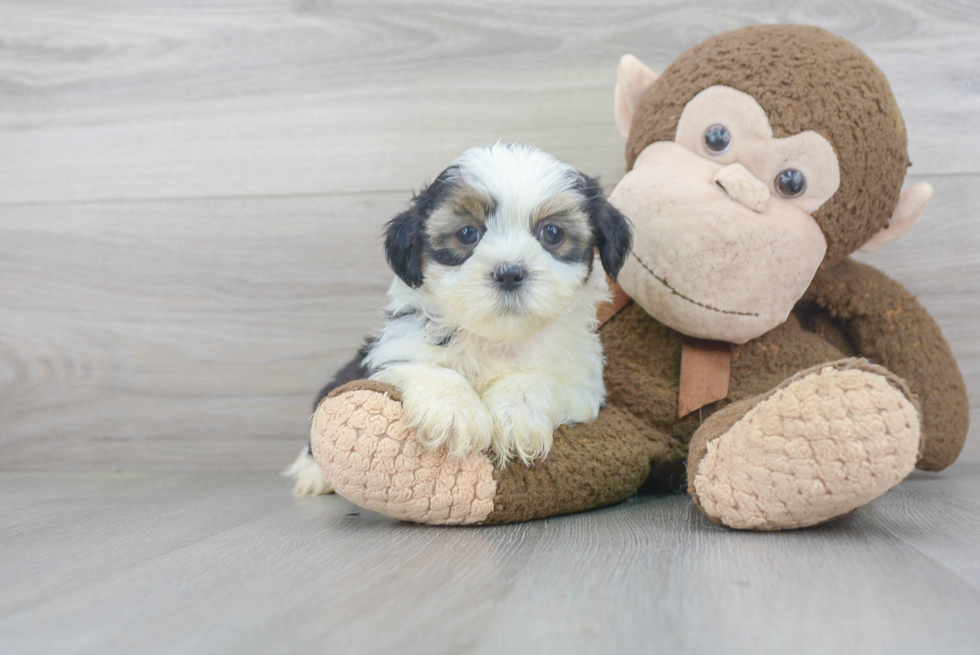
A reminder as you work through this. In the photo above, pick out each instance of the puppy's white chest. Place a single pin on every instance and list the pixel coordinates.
(482, 363)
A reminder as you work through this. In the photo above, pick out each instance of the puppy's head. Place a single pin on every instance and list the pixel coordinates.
(503, 240)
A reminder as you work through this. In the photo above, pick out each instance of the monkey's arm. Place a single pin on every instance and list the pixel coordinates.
(888, 325)
(590, 465)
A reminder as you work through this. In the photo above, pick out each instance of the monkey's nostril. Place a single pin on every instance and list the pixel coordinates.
(509, 276)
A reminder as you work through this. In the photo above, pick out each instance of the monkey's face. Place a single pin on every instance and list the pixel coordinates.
(724, 239)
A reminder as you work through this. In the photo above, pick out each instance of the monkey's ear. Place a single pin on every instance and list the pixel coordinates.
(404, 244)
(911, 204)
(612, 232)
(632, 79)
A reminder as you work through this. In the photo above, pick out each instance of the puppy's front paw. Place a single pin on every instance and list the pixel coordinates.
(449, 415)
(522, 427)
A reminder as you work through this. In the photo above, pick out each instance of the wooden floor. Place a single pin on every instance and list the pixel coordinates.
(231, 563)
(191, 199)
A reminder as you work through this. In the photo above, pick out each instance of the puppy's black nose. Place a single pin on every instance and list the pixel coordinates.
(509, 276)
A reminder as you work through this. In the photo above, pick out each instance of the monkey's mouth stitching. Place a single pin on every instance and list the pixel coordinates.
(681, 295)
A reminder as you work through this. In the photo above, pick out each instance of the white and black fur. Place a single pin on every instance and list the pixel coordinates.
(493, 343)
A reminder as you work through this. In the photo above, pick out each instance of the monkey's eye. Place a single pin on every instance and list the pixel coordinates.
(717, 138)
(468, 236)
(551, 235)
(790, 183)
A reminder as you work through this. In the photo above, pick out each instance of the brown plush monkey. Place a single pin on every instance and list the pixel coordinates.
(782, 383)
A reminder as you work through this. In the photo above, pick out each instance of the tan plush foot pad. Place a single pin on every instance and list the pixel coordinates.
(821, 446)
(372, 459)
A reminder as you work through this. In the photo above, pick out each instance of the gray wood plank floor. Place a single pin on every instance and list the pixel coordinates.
(230, 562)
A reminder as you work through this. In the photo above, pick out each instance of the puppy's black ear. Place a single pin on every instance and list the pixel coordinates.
(404, 244)
(611, 229)
(405, 233)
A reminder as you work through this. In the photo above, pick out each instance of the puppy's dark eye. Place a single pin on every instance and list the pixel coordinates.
(790, 183)
(717, 138)
(552, 235)
(468, 236)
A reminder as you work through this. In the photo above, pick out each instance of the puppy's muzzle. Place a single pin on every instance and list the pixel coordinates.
(509, 276)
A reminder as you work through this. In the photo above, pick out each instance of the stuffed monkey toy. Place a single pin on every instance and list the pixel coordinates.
(749, 359)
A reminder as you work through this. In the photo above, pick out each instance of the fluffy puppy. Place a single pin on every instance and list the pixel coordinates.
(491, 325)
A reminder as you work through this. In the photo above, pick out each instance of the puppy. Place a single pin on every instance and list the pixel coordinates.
(491, 325)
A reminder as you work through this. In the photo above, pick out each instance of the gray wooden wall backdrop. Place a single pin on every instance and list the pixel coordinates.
(191, 193)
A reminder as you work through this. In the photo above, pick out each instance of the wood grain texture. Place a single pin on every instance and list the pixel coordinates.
(115, 99)
(191, 195)
(230, 562)
(180, 334)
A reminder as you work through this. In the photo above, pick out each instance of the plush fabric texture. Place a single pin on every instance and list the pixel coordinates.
(371, 458)
(881, 320)
(743, 187)
(643, 368)
(683, 224)
(855, 110)
(849, 309)
(822, 444)
(589, 466)
(754, 147)
(360, 440)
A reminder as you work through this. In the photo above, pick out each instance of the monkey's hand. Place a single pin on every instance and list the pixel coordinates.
(442, 407)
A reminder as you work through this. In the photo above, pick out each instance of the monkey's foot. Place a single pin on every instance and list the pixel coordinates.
(822, 444)
(372, 458)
